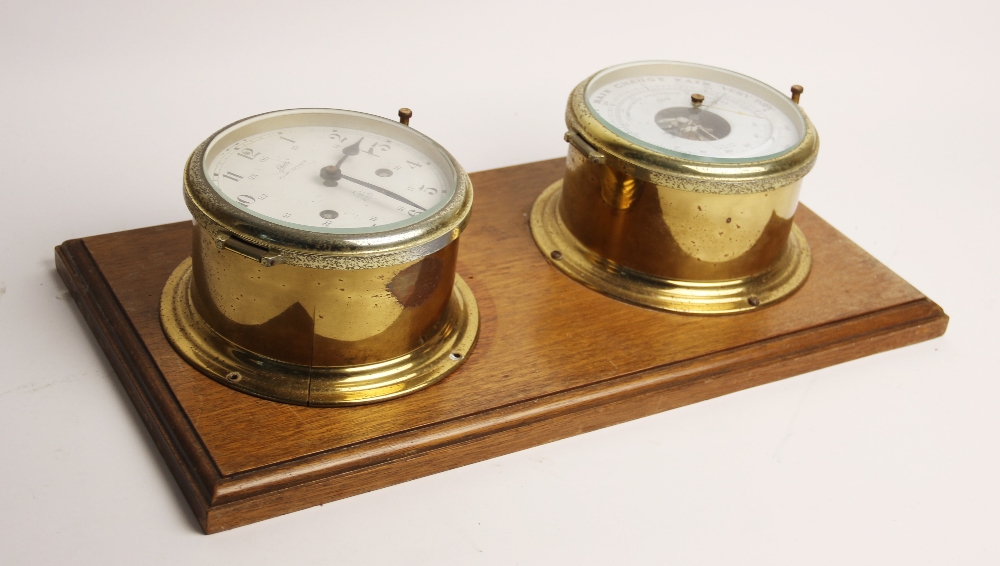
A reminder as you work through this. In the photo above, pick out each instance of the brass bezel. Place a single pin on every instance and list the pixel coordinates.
(324, 250)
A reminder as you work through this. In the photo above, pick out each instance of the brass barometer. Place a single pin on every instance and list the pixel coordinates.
(681, 186)
(323, 263)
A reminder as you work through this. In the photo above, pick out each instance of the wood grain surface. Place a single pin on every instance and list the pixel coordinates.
(553, 360)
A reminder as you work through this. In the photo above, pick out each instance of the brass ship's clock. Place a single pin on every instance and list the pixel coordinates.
(681, 187)
(323, 261)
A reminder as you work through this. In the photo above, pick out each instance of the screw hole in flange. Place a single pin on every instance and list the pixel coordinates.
(455, 356)
(234, 376)
(754, 301)
(556, 254)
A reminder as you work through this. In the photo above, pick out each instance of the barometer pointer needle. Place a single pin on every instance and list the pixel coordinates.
(706, 132)
(716, 101)
(389, 194)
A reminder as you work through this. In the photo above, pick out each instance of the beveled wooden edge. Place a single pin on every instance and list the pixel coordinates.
(224, 502)
(249, 497)
(174, 436)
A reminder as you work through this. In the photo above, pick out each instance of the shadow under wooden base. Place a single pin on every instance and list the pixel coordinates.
(554, 360)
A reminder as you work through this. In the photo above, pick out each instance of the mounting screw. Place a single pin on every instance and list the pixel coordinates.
(697, 99)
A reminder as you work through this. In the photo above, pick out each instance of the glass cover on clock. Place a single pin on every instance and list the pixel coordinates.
(330, 171)
(695, 112)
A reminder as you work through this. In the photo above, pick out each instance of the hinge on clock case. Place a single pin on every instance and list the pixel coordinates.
(266, 257)
(588, 151)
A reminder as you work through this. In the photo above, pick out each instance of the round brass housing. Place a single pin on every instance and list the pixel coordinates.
(320, 318)
(659, 230)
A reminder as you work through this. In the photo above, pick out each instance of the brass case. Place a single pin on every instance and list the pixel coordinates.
(313, 318)
(670, 233)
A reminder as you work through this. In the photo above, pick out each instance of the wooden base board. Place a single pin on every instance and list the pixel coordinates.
(554, 360)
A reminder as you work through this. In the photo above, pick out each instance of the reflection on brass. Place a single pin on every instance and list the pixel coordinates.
(319, 337)
(731, 293)
(618, 190)
(672, 233)
(796, 93)
(404, 116)
(438, 352)
(320, 317)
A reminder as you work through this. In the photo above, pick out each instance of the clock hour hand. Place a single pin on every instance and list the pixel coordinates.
(353, 149)
(385, 192)
(331, 173)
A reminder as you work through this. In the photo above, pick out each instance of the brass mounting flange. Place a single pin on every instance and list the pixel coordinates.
(249, 372)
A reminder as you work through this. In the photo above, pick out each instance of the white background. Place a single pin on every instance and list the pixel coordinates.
(886, 460)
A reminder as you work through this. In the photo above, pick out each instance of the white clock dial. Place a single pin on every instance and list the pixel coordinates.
(329, 178)
(739, 118)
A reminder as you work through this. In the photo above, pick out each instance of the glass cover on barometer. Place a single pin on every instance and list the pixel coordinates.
(330, 171)
(695, 112)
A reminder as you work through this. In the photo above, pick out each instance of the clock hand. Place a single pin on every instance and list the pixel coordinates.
(331, 173)
(389, 194)
(350, 150)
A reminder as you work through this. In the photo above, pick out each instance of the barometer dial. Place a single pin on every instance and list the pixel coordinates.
(336, 178)
(696, 112)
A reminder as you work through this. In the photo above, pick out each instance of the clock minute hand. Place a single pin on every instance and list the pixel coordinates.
(389, 194)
